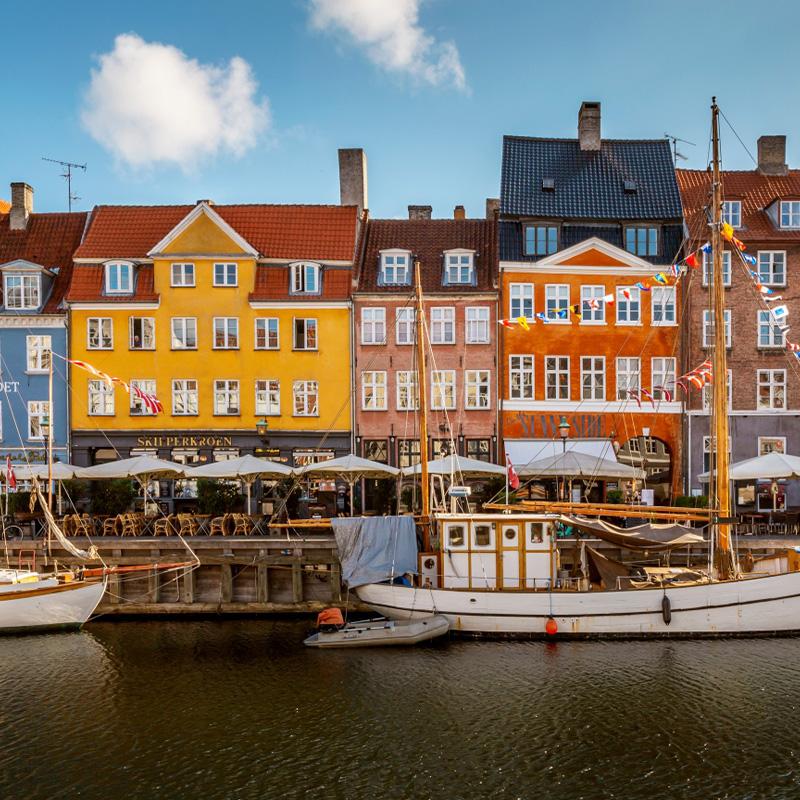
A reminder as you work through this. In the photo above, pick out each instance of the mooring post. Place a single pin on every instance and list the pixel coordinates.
(262, 578)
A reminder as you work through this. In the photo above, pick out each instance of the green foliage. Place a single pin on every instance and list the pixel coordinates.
(74, 494)
(614, 496)
(687, 501)
(217, 497)
(111, 497)
(19, 503)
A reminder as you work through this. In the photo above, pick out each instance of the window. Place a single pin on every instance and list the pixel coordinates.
(556, 370)
(119, 278)
(771, 444)
(479, 449)
(477, 324)
(540, 240)
(443, 325)
(521, 377)
(99, 333)
(443, 389)
(373, 326)
(268, 398)
(771, 389)
(629, 306)
(38, 419)
(708, 266)
(226, 333)
(142, 333)
(186, 488)
(408, 452)
(182, 275)
(373, 390)
(184, 398)
(477, 383)
(732, 213)
(305, 395)
(662, 300)
(225, 275)
(707, 449)
(184, 333)
(405, 326)
(22, 291)
(305, 278)
(441, 448)
(394, 269)
(556, 300)
(376, 450)
(593, 378)
(627, 376)
(226, 398)
(267, 333)
(521, 300)
(708, 389)
(769, 333)
(305, 334)
(407, 391)
(459, 268)
(593, 305)
(101, 399)
(708, 328)
(38, 350)
(790, 214)
(642, 241)
(662, 374)
(772, 267)
(138, 407)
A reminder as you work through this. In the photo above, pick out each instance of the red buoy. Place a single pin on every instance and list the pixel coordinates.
(551, 627)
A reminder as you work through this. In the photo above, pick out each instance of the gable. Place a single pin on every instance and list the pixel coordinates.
(203, 235)
(593, 258)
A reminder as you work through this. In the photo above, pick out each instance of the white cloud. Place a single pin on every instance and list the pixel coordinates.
(390, 32)
(150, 103)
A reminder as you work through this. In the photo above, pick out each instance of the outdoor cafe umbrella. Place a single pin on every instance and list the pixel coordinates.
(576, 465)
(58, 471)
(767, 467)
(247, 469)
(458, 465)
(349, 468)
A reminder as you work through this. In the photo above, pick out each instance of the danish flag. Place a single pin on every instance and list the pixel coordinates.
(513, 478)
(11, 478)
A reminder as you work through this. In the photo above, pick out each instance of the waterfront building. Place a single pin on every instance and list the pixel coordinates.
(762, 206)
(35, 265)
(586, 225)
(458, 263)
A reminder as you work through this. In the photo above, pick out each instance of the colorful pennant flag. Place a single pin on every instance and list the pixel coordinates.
(643, 286)
(660, 277)
(150, 401)
(635, 395)
(542, 316)
(666, 394)
(692, 261)
(727, 231)
(792, 346)
(513, 478)
(608, 299)
(706, 248)
(523, 323)
(506, 323)
(11, 478)
(750, 259)
(648, 396)
(779, 312)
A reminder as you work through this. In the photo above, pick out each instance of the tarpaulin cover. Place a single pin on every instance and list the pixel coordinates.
(375, 549)
(642, 537)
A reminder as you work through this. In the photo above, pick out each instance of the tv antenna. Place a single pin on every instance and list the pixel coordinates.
(67, 173)
(676, 154)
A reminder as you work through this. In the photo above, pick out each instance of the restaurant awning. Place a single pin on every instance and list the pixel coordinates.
(578, 465)
(766, 467)
(526, 451)
(459, 467)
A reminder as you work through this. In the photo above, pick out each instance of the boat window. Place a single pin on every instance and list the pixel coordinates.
(455, 536)
(483, 536)
(535, 533)
(510, 534)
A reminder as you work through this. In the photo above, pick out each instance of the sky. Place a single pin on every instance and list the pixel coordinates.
(248, 100)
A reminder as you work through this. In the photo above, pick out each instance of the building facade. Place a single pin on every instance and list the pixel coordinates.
(35, 267)
(588, 230)
(763, 208)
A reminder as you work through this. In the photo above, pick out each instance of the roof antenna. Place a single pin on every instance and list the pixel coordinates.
(674, 142)
(68, 167)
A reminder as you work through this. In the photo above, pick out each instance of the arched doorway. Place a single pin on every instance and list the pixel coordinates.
(653, 455)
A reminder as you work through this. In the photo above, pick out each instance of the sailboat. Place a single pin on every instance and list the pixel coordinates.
(498, 573)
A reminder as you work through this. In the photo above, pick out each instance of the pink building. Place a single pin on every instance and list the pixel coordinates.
(458, 259)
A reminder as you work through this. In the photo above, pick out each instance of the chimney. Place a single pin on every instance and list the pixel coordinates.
(492, 207)
(420, 212)
(772, 155)
(353, 178)
(205, 200)
(21, 206)
(459, 213)
(589, 125)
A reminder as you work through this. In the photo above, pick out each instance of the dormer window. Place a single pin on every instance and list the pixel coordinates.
(790, 214)
(395, 268)
(732, 213)
(22, 292)
(305, 278)
(541, 240)
(119, 277)
(459, 267)
(641, 240)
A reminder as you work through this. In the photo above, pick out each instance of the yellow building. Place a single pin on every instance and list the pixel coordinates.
(233, 316)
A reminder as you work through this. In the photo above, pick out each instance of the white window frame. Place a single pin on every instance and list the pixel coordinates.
(708, 263)
(305, 321)
(104, 395)
(112, 267)
(137, 406)
(553, 293)
(593, 316)
(774, 387)
(300, 272)
(776, 338)
(181, 391)
(523, 367)
(30, 290)
(707, 391)
(305, 390)
(521, 295)
(635, 301)
(268, 397)
(228, 336)
(38, 354)
(596, 367)
(762, 440)
(184, 323)
(389, 263)
(789, 209)
(629, 373)
(405, 322)
(441, 318)
(732, 213)
(185, 274)
(228, 390)
(706, 343)
(100, 325)
(38, 410)
(443, 389)
(477, 319)
(407, 389)
(373, 325)
(267, 323)
(557, 366)
(477, 389)
(143, 320)
(663, 298)
(456, 261)
(766, 258)
(374, 390)
(226, 274)
(662, 373)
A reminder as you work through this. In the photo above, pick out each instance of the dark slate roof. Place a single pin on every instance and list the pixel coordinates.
(589, 184)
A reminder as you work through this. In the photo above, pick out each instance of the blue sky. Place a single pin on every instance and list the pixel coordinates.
(428, 99)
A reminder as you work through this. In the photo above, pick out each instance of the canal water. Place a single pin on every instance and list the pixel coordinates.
(239, 709)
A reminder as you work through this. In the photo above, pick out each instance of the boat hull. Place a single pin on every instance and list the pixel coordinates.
(383, 633)
(768, 605)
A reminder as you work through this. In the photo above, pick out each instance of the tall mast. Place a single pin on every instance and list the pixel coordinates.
(422, 383)
(720, 461)
(50, 433)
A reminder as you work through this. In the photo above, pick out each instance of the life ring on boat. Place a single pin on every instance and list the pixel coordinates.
(666, 610)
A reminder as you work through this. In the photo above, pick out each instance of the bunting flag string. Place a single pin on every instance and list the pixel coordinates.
(698, 377)
(150, 401)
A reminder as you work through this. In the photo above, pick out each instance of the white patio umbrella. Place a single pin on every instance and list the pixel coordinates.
(459, 466)
(59, 471)
(349, 468)
(767, 467)
(574, 464)
(247, 469)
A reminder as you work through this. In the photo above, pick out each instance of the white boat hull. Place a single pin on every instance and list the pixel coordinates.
(42, 605)
(762, 605)
(380, 633)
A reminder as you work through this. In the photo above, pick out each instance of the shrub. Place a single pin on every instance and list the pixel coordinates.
(111, 497)
(217, 497)
(614, 496)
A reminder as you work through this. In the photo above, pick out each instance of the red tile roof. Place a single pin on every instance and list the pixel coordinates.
(272, 283)
(5, 206)
(87, 286)
(48, 240)
(323, 233)
(427, 239)
(756, 191)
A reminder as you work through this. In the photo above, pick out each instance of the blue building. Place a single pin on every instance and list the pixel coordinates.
(35, 267)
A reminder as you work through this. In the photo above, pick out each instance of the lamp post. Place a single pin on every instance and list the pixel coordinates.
(563, 432)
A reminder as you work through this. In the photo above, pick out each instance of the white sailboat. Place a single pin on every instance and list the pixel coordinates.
(498, 573)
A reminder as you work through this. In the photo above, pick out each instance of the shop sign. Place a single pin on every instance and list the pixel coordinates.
(184, 441)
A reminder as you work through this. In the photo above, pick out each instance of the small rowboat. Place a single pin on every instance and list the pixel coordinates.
(381, 632)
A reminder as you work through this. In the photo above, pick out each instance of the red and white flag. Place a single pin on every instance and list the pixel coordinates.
(11, 478)
(513, 478)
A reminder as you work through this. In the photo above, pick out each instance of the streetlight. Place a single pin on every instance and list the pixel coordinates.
(563, 432)
(262, 428)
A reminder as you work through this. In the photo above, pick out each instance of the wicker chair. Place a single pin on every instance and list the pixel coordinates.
(217, 526)
(164, 526)
(187, 525)
(242, 525)
(130, 525)
(109, 526)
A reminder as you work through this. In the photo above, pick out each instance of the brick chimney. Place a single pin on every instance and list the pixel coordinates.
(207, 200)
(772, 155)
(353, 178)
(492, 207)
(589, 125)
(21, 206)
(420, 212)
(459, 213)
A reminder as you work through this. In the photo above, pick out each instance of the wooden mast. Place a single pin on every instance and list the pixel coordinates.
(720, 461)
(422, 384)
(50, 433)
